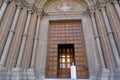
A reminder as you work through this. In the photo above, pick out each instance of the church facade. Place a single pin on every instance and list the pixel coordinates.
(42, 39)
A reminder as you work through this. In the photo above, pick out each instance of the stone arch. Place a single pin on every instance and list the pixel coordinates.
(59, 5)
(43, 3)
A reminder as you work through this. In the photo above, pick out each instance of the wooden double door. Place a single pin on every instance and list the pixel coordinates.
(66, 46)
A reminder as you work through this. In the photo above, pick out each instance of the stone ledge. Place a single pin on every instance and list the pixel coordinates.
(66, 79)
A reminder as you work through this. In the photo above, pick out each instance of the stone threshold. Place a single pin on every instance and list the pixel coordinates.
(66, 79)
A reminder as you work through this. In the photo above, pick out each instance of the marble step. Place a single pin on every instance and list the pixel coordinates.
(66, 79)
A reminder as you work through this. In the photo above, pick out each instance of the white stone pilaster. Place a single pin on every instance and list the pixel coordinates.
(10, 36)
(31, 71)
(102, 61)
(19, 61)
(35, 42)
(117, 7)
(2, 10)
(111, 38)
(103, 73)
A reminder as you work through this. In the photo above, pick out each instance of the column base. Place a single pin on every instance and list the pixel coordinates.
(25, 76)
(117, 73)
(3, 71)
(40, 73)
(2, 68)
(103, 74)
(8, 75)
(31, 74)
(17, 73)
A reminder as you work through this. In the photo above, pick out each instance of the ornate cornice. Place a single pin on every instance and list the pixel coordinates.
(90, 9)
(7, 1)
(30, 6)
(114, 1)
(102, 3)
(40, 11)
(99, 4)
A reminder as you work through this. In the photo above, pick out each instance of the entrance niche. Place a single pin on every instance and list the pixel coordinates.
(65, 59)
(66, 37)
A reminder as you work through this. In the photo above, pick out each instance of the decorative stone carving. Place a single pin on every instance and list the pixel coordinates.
(65, 5)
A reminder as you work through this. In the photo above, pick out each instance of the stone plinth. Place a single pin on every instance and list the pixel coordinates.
(103, 74)
(17, 74)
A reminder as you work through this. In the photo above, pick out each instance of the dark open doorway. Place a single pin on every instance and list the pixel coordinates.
(65, 59)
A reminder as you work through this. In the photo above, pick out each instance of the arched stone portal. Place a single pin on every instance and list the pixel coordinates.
(29, 29)
(52, 23)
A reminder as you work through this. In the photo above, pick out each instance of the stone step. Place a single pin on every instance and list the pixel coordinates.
(66, 79)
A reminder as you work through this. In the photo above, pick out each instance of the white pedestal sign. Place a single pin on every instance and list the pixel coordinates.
(73, 72)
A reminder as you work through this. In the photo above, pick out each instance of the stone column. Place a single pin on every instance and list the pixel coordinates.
(102, 61)
(10, 36)
(31, 71)
(2, 10)
(117, 7)
(29, 43)
(6, 23)
(111, 38)
(35, 42)
(1, 2)
(16, 41)
(114, 22)
(17, 72)
(19, 61)
(115, 25)
(106, 46)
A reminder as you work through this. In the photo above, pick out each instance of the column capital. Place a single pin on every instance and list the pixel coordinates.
(19, 6)
(92, 14)
(29, 11)
(7, 1)
(102, 3)
(39, 14)
(102, 8)
(91, 10)
(115, 1)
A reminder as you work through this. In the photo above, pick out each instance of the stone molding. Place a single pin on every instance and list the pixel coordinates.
(90, 9)
(99, 5)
